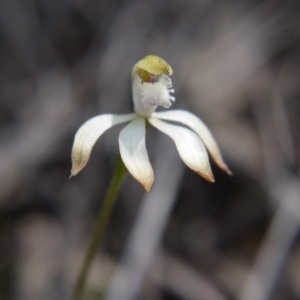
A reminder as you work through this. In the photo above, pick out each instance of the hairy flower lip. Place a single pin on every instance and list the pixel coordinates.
(147, 96)
(191, 141)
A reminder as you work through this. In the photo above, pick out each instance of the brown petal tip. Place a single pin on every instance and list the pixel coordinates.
(75, 171)
(147, 186)
(207, 176)
(72, 175)
(145, 183)
(226, 169)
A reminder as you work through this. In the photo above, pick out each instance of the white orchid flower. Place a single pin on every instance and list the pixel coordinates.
(151, 88)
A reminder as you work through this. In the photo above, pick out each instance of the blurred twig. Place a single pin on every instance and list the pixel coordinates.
(285, 191)
(276, 246)
(182, 280)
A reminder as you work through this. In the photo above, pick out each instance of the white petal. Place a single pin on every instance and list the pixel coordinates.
(189, 146)
(134, 153)
(87, 135)
(200, 128)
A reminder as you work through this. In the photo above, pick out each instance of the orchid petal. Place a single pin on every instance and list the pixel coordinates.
(190, 148)
(192, 121)
(88, 134)
(134, 153)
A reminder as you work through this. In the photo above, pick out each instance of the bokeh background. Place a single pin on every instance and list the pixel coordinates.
(236, 65)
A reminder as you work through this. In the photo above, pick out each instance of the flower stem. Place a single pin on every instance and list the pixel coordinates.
(101, 223)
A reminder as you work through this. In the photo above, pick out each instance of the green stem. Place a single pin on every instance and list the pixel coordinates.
(102, 220)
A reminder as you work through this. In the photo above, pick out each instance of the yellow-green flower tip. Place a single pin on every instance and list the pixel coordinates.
(154, 65)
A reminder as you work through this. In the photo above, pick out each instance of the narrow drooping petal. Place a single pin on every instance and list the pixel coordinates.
(192, 121)
(190, 148)
(134, 153)
(88, 134)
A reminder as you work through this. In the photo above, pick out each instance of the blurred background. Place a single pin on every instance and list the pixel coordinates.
(236, 66)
